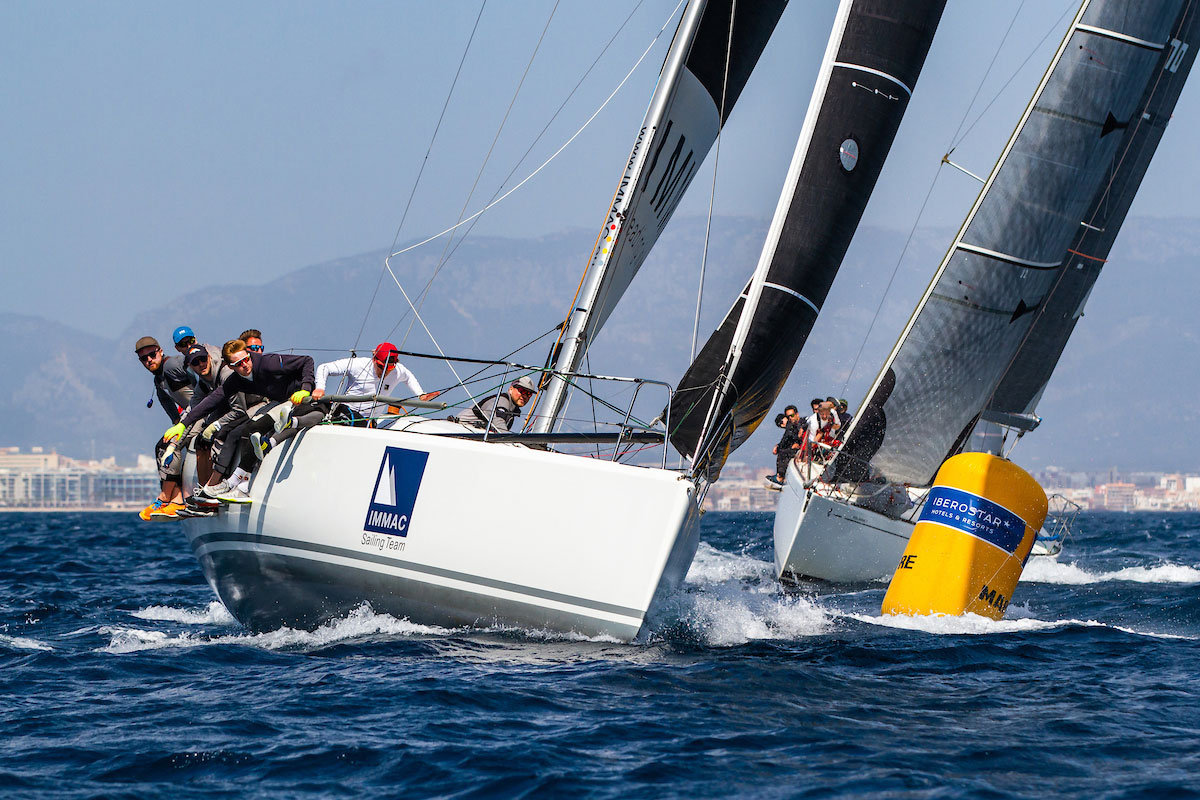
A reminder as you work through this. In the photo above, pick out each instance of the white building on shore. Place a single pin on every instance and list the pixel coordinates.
(40, 480)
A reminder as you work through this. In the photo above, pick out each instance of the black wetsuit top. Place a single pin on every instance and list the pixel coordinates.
(275, 376)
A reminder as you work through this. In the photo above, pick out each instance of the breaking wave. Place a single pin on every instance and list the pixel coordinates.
(975, 625)
(359, 623)
(730, 599)
(1044, 570)
(215, 614)
(22, 643)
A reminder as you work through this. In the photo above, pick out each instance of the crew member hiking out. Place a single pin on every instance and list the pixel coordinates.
(173, 386)
(276, 376)
(217, 440)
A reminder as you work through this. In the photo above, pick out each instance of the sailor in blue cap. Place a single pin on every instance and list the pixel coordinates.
(183, 338)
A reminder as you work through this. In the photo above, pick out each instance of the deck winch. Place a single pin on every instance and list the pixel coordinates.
(968, 548)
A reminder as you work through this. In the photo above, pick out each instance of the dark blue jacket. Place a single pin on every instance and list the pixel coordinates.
(275, 376)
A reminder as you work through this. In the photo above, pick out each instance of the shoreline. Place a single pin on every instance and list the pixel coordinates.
(72, 510)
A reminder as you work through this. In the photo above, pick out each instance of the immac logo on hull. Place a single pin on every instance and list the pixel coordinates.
(396, 486)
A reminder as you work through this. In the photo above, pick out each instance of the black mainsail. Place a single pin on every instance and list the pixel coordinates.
(874, 57)
(1054, 321)
(715, 49)
(1070, 162)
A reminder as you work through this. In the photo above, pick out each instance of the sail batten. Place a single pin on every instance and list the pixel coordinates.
(970, 339)
(873, 59)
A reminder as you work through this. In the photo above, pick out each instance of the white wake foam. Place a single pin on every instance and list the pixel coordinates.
(215, 614)
(361, 622)
(975, 625)
(713, 566)
(23, 643)
(1044, 570)
(731, 599)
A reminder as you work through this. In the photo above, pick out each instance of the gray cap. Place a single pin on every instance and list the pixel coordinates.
(525, 383)
(145, 341)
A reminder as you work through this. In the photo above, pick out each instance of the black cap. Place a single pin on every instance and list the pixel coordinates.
(195, 353)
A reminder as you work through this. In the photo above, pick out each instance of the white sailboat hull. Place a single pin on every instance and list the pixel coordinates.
(816, 537)
(443, 531)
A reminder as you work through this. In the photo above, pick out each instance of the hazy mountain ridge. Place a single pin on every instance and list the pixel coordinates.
(1123, 393)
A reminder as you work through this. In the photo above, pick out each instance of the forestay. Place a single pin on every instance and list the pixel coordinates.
(1030, 370)
(715, 48)
(871, 65)
(1012, 247)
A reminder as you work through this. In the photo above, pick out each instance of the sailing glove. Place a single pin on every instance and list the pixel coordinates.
(174, 432)
(298, 397)
(210, 431)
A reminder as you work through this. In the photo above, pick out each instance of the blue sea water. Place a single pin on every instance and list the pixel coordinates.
(121, 676)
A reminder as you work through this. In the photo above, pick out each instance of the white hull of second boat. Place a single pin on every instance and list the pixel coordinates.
(444, 531)
(816, 537)
(824, 539)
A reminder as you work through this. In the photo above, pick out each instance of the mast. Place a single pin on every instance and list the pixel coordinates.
(683, 120)
(874, 56)
(1010, 250)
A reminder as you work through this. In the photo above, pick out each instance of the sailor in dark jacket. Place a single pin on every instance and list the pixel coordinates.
(500, 411)
(276, 376)
(173, 386)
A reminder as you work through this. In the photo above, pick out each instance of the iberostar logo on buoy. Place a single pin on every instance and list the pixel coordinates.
(395, 494)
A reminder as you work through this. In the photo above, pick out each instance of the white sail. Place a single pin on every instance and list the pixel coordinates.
(716, 46)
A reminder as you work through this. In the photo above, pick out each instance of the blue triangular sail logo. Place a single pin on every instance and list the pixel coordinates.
(395, 493)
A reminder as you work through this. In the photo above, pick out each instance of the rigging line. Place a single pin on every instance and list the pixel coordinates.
(421, 171)
(1049, 30)
(954, 141)
(461, 222)
(544, 164)
(591, 390)
(487, 158)
(387, 262)
(556, 153)
(887, 289)
(713, 194)
(532, 144)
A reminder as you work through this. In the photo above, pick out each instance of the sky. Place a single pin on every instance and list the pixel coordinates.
(154, 148)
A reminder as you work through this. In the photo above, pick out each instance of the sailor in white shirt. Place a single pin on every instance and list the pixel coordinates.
(381, 374)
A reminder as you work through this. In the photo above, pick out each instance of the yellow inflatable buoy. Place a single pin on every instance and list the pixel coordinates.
(971, 541)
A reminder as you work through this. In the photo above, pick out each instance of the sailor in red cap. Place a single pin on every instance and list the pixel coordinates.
(381, 374)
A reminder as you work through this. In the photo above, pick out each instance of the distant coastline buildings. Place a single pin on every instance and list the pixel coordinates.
(741, 489)
(36, 480)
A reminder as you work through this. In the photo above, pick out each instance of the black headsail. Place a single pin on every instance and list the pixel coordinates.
(874, 57)
(715, 48)
(1011, 251)
(1140, 134)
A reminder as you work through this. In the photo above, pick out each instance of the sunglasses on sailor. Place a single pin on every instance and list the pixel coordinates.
(144, 357)
(257, 348)
(185, 343)
(243, 361)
